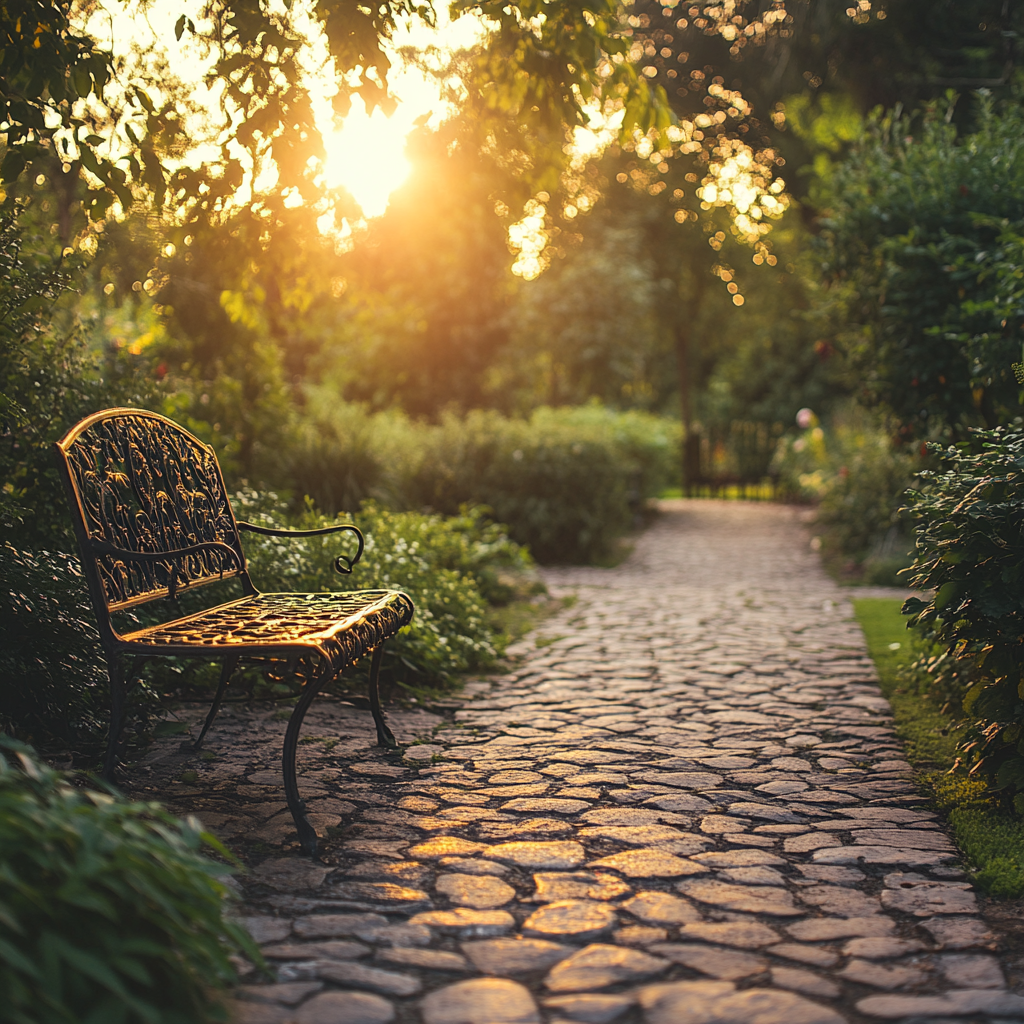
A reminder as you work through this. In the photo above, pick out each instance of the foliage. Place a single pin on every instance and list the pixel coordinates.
(51, 374)
(54, 677)
(857, 474)
(425, 311)
(111, 911)
(260, 56)
(970, 553)
(991, 839)
(743, 72)
(27, 288)
(923, 244)
(451, 568)
(566, 481)
(766, 360)
(569, 328)
(562, 490)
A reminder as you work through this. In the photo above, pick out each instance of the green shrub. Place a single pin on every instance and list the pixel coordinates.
(563, 491)
(338, 455)
(54, 691)
(921, 247)
(109, 913)
(970, 552)
(452, 568)
(567, 482)
(856, 474)
(648, 445)
(53, 679)
(56, 366)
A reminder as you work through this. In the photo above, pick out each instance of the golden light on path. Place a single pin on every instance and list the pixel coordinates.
(366, 156)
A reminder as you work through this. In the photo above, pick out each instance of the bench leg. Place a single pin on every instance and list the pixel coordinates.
(118, 702)
(385, 737)
(230, 664)
(307, 834)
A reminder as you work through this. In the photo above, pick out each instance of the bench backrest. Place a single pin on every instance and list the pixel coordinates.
(138, 482)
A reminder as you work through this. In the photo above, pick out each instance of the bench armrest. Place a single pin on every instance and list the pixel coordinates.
(342, 564)
(102, 547)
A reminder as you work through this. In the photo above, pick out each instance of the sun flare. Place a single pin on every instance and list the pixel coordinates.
(366, 157)
(365, 153)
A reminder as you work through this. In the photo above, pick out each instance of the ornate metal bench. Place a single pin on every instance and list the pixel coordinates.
(153, 520)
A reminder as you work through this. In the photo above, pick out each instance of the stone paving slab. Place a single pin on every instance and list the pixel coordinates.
(686, 805)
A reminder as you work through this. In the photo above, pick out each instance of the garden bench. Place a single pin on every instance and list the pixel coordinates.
(153, 520)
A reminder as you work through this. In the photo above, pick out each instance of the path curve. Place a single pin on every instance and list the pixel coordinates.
(685, 806)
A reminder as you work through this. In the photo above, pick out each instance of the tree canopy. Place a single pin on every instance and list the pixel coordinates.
(64, 94)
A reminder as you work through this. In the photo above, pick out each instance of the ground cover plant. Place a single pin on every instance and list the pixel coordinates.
(112, 912)
(990, 836)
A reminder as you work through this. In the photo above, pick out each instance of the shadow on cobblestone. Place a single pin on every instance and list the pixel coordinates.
(687, 807)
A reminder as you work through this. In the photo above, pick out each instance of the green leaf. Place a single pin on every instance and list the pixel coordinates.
(13, 164)
(947, 593)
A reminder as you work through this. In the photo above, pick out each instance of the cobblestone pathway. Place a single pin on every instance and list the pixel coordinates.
(686, 806)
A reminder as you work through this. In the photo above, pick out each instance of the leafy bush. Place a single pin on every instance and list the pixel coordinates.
(451, 568)
(856, 474)
(55, 368)
(567, 481)
(970, 551)
(922, 242)
(54, 690)
(53, 680)
(110, 911)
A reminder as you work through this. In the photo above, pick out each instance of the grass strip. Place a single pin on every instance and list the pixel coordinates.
(990, 838)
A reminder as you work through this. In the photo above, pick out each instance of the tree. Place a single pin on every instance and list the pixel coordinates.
(737, 74)
(587, 327)
(58, 95)
(922, 245)
(424, 314)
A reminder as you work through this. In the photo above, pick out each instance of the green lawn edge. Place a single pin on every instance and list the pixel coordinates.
(990, 839)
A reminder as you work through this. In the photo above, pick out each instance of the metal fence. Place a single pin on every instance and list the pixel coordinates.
(731, 460)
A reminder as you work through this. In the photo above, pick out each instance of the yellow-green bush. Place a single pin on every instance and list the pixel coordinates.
(566, 482)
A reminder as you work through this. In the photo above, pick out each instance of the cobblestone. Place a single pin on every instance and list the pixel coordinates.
(683, 803)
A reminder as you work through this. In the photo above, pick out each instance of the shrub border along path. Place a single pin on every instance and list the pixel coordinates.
(685, 803)
(991, 838)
